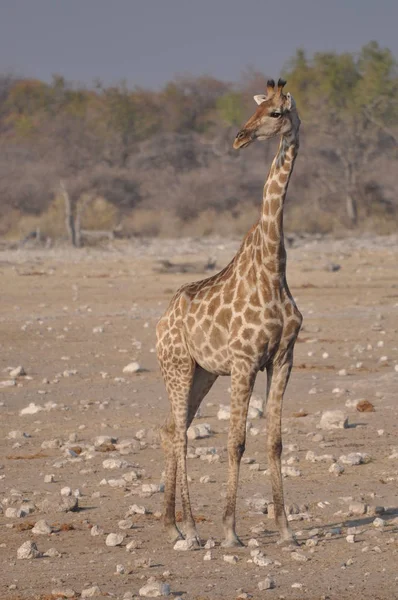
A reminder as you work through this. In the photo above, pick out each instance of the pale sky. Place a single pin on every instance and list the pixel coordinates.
(148, 42)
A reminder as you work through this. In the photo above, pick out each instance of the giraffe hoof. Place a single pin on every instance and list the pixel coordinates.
(233, 542)
(174, 534)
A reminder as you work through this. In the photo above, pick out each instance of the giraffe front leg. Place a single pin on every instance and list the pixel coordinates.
(242, 381)
(278, 377)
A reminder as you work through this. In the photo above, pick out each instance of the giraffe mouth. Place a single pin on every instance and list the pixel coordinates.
(238, 144)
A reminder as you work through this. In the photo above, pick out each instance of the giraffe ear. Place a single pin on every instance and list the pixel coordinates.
(260, 98)
(290, 103)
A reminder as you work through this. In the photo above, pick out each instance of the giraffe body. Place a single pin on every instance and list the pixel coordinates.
(235, 323)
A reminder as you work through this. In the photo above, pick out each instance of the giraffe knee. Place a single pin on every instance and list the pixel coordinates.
(236, 450)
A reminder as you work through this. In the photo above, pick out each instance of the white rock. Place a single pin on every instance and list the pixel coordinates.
(115, 463)
(299, 556)
(297, 585)
(154, 589)
(42, 528)
(63, 593)
(91, 592)
(28, 550)
(134, 509)
(266, 584)
(96, 530)
(52, 553)
(66, 491)
(355, 458)
(208, 555)
(260, 559)
(120, 570)
(350, 538)
(114, 539)
(31, 409)
(357, 508)
(133, 545)
(224, 413)
(17, 372)
(336, 469)
(210, 544)
(104, 439)
(291, 471)
(116, 483)
(230, 558)
(253, 543)
(256, 407)
(133, 367)
(199, 432)
(49, 478)
(379, 522)
(14, 513)
(184, 545)
(333, 419)
(9, 383)
(126, 524)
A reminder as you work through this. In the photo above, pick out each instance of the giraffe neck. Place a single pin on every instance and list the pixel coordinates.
(275, 188)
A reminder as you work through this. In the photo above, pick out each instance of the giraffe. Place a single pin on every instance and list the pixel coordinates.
(237, 322)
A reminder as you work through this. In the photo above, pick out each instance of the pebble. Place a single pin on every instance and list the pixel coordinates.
(134, 509)
(49, 478)
(260, 559)
(133, 545)
(154, 589)
(58, 504)
(42, 528)
(17, 372)
(28, 550)
(299, 556)
(120, 570)
(355, 458)
(199, 432)
(114, 539)
(291, 471)
(210, 544)
(208, 555)
(31, 409)
(333, 419)
(224, 413)
(115, 463)
(66, 491)
(357, 508)
(9, 383)
(350, 538)
(126, 524)
(379, 522)
(96, 530)
(91, 592)
(63, 593)
(133, 367)
(266, 584)
(184, 545)
(230, 558)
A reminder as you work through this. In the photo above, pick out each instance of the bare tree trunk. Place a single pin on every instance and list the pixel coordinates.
(351, 208)
(70, 223)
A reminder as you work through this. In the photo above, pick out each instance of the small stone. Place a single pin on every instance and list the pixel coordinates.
(134, 509)
(299, 556)
(66, 491)
(17, 372)
(333, 419)
(91, 592)
(224, 413)
(253, 543)
(133, 367)
(210, 544)
(266, 584)
(357, 508)
(154, 589)
(52, 553)
(126, 524)
(49, 478)
(96, 530)
(63, 593)
(31, 409)
(10, 383)
(42, 528)
(291, 471)
(230, 558)
(133, 545)
(343, 372)
(297, 586)
(260, 559)
(336, 469)
(355, 458)
(379, 523)
(114, 539)
(120, 570)
(28, 550)
(199, 432)
(184, 545)
(350, 538)
(114, 463)
(208, 555)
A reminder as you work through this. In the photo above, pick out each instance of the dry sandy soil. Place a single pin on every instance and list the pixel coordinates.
(89, 313)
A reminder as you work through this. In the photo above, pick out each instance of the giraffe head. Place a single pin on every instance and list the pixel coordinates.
(276, 115)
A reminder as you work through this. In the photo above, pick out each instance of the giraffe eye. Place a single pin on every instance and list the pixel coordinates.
(275, 114)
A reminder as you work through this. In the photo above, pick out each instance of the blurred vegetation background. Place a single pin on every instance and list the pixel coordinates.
(83, 162)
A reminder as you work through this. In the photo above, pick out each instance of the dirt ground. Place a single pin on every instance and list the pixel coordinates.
(75, 319)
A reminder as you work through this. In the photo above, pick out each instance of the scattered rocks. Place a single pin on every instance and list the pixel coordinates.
(260, 559)
(355, 458)
(115, 463)
(91, 592)
(114, 539)
(336, 469)
(333, 419)
(27, 551)
(224, 413)
(184, 545)
(31, 409)
(230, 558)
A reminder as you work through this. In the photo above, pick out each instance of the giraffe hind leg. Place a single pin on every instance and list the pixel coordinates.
(186, 386)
